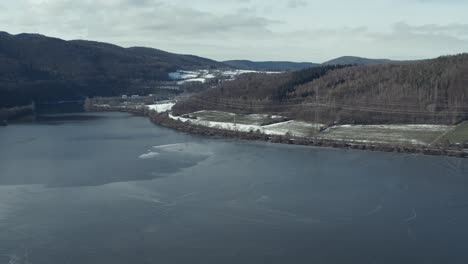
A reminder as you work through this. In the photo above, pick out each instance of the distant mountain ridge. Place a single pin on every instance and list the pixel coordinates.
(269, 65)
(352, 60)
(40, 68)
(37, 67)
(289, 65)
(46, 52)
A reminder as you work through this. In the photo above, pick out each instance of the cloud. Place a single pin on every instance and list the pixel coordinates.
(440, 1)
(133, 18)
(184, 21)
(418, 41)
(297, 3)
(450, 30)
(139, 2)
(250, 29)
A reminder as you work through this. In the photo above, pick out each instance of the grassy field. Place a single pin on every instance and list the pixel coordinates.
(457, 135)
(421, 135)
(253, 119)
(389, 134)
(294, 128)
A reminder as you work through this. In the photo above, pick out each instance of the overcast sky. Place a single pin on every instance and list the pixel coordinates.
(297, 30)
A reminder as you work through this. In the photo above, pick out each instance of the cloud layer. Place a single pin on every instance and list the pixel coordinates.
(254, 29)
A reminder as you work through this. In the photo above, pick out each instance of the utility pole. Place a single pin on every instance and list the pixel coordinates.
(316, 106)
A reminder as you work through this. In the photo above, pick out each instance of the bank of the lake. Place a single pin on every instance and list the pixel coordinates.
(164, 119)
(15, 113)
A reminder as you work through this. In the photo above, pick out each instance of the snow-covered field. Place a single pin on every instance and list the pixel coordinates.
(252, 119)
(219, 125)
(203, 75)
(399, 134)
(161, 107)
(183, 75)
(390, 134)
(201, 79)
(457, 135)
(295, 128)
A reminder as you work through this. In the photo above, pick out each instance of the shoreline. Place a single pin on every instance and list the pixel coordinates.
(164, 120)
(16, 113)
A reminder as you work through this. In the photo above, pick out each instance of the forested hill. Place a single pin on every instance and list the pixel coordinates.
(351, 60)
(269, 65)
(37, 67)
(430, 91)
(280, 66)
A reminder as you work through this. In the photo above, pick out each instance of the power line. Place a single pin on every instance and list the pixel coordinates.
(302, 100)
(202, 102)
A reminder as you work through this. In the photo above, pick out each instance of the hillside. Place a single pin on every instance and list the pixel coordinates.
(37, 67)
(287, 65)
(430, 91)
(181, 62)
(269, 65)
(351, 60)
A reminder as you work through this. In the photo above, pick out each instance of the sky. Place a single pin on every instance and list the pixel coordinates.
(293, 30)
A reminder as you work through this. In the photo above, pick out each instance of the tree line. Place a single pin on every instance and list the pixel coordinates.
(429, 91)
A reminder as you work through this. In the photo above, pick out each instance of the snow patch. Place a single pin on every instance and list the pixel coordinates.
(219, 125)
(276, 117)
(166, 146)
(161, 108)
(295, 128)
(183, 75)
(202, 80)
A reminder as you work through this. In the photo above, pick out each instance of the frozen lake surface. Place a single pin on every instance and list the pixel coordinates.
(113, 188)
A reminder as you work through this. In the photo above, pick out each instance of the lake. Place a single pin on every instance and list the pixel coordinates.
(114, 188)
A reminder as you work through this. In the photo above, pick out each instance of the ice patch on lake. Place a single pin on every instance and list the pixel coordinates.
(9, 197)
(149, 199)
(14, 259)
(187, 148)
(263, 199)
(3, 212)
(167, 146)
(149, 155)
(413, 216)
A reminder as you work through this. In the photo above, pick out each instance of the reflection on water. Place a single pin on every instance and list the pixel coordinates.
(58, 119)
(117, 189)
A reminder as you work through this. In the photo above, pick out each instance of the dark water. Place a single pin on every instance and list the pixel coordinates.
(93, 189)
